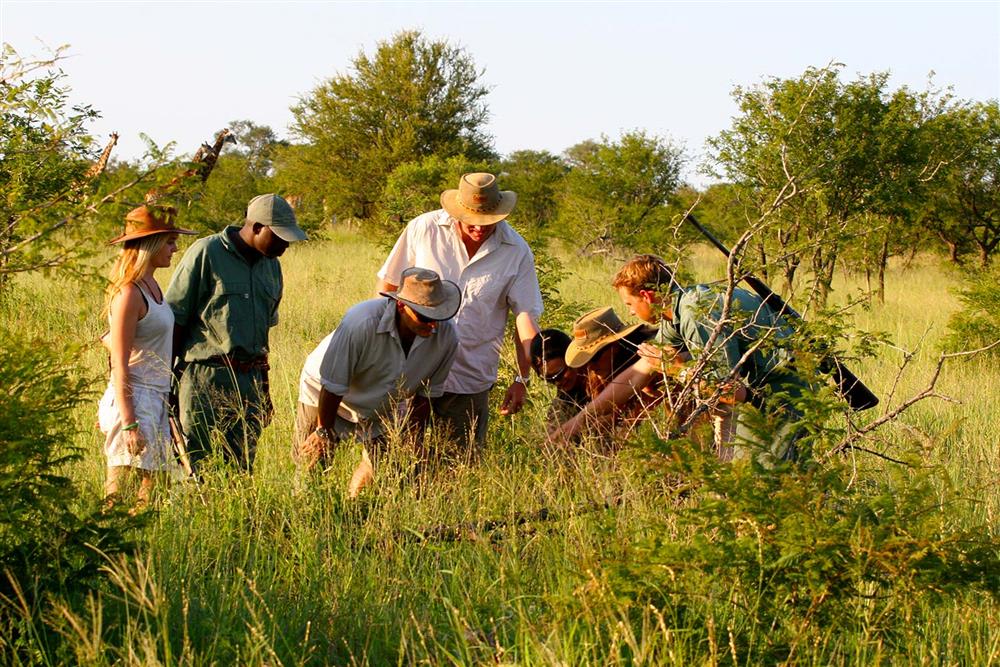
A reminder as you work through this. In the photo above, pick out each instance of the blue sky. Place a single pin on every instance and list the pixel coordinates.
(559, 73)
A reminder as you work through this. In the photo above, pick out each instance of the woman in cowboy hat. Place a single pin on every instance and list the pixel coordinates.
(133, 411)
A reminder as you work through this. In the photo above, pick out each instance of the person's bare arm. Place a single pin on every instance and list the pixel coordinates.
(384, 286)
(525, 330)
(619, 391)
(127, 308)
(320, 443)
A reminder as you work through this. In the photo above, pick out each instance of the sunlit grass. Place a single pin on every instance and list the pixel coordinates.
(281, 568)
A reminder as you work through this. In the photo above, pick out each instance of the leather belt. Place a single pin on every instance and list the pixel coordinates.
(239, 365)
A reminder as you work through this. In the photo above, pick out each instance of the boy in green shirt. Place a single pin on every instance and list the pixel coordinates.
(744, 355)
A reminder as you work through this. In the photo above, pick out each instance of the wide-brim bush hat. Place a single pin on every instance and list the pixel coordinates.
(425, 292)
(478, 200)
(148, 220)
(273, 211)
(594, 331)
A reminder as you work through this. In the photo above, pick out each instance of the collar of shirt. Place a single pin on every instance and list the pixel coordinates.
(387, 323)
(233, 242)
(503, 234)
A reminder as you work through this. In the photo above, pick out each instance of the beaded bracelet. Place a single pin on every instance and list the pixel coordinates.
(131, 427)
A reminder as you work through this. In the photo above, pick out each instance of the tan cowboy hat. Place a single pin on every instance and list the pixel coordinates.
(425, 292)
(478, 200)
(594, 331)
(148, 220)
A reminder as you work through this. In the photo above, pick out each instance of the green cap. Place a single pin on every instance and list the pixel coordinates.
(275, 212)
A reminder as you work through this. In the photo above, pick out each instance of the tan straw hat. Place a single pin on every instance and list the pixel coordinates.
(593, 332)
(478, 200)
(148, 220)
(425, 292)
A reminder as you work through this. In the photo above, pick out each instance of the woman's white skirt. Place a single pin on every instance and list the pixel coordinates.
(151, 411)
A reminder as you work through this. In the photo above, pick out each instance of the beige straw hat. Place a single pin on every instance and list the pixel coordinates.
(478, 200)
(594, 331)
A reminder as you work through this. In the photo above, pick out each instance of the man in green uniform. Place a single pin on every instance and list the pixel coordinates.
(225, 295)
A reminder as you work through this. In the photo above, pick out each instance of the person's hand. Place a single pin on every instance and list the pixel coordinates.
(655, 355)
(135, 443)
(362, 477)
(562, 437)
(514, 399)
(315, 448)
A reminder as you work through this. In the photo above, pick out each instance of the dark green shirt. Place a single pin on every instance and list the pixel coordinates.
(696, 310)
(226, 304)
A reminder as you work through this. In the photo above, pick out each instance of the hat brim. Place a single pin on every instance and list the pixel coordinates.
(140, 235)
(289, 233)
(450, 203)
(445, 310)
(578, 355)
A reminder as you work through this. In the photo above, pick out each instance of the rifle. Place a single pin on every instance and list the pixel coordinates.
(180, 447)
(852, 389)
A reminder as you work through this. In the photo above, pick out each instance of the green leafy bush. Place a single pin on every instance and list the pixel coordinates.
(783, 559)
(53, 541)
(978, 323)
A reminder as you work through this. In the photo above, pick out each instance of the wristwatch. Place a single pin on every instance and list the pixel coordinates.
(522, 380)
(326, 434)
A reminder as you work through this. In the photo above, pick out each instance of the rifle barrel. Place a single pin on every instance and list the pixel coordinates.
(854, 391)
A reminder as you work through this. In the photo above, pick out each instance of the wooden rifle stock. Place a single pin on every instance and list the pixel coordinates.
(854, 391)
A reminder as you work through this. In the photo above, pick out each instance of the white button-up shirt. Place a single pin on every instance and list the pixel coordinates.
(500, 278)
(362, 361)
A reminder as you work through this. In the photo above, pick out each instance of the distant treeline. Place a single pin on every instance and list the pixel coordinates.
(822, 173)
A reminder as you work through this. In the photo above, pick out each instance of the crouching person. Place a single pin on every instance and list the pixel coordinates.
(385, 350)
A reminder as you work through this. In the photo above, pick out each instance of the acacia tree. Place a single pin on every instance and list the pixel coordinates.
(963, 209)
(411, 99)
(819, 156)
(617, 191)
(48, 165)
(536, 177)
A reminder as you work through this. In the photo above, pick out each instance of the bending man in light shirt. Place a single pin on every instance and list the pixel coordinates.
(468, 241)
(385, 350)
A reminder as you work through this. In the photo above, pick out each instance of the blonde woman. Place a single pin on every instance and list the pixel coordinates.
(133, 411)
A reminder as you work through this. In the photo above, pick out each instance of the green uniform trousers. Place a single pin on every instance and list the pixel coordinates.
(224, 409)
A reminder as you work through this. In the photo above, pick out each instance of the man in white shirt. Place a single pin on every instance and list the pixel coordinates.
(384, 351)
(469, 242)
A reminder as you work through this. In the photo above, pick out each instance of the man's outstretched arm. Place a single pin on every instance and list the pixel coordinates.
(625, 386)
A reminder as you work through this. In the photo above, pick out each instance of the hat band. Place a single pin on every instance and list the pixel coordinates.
(481, 209)
(594, 343)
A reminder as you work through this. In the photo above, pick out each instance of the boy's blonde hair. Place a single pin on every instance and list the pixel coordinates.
(644, 272)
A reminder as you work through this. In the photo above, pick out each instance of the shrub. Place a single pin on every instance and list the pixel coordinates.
(785, 558)
(53, 540)
(978, 323)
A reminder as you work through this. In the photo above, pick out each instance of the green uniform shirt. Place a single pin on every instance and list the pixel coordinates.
(226, 303)
(696, 311)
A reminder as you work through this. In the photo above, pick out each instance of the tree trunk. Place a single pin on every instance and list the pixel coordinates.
(883, 261)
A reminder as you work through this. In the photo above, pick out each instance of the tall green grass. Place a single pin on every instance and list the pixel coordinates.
(509, 561)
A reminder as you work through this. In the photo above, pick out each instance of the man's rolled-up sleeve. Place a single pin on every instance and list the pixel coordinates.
(524, 295)
(337, 367)
(400, 258)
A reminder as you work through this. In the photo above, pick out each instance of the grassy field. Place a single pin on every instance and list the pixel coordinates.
(276, 569)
